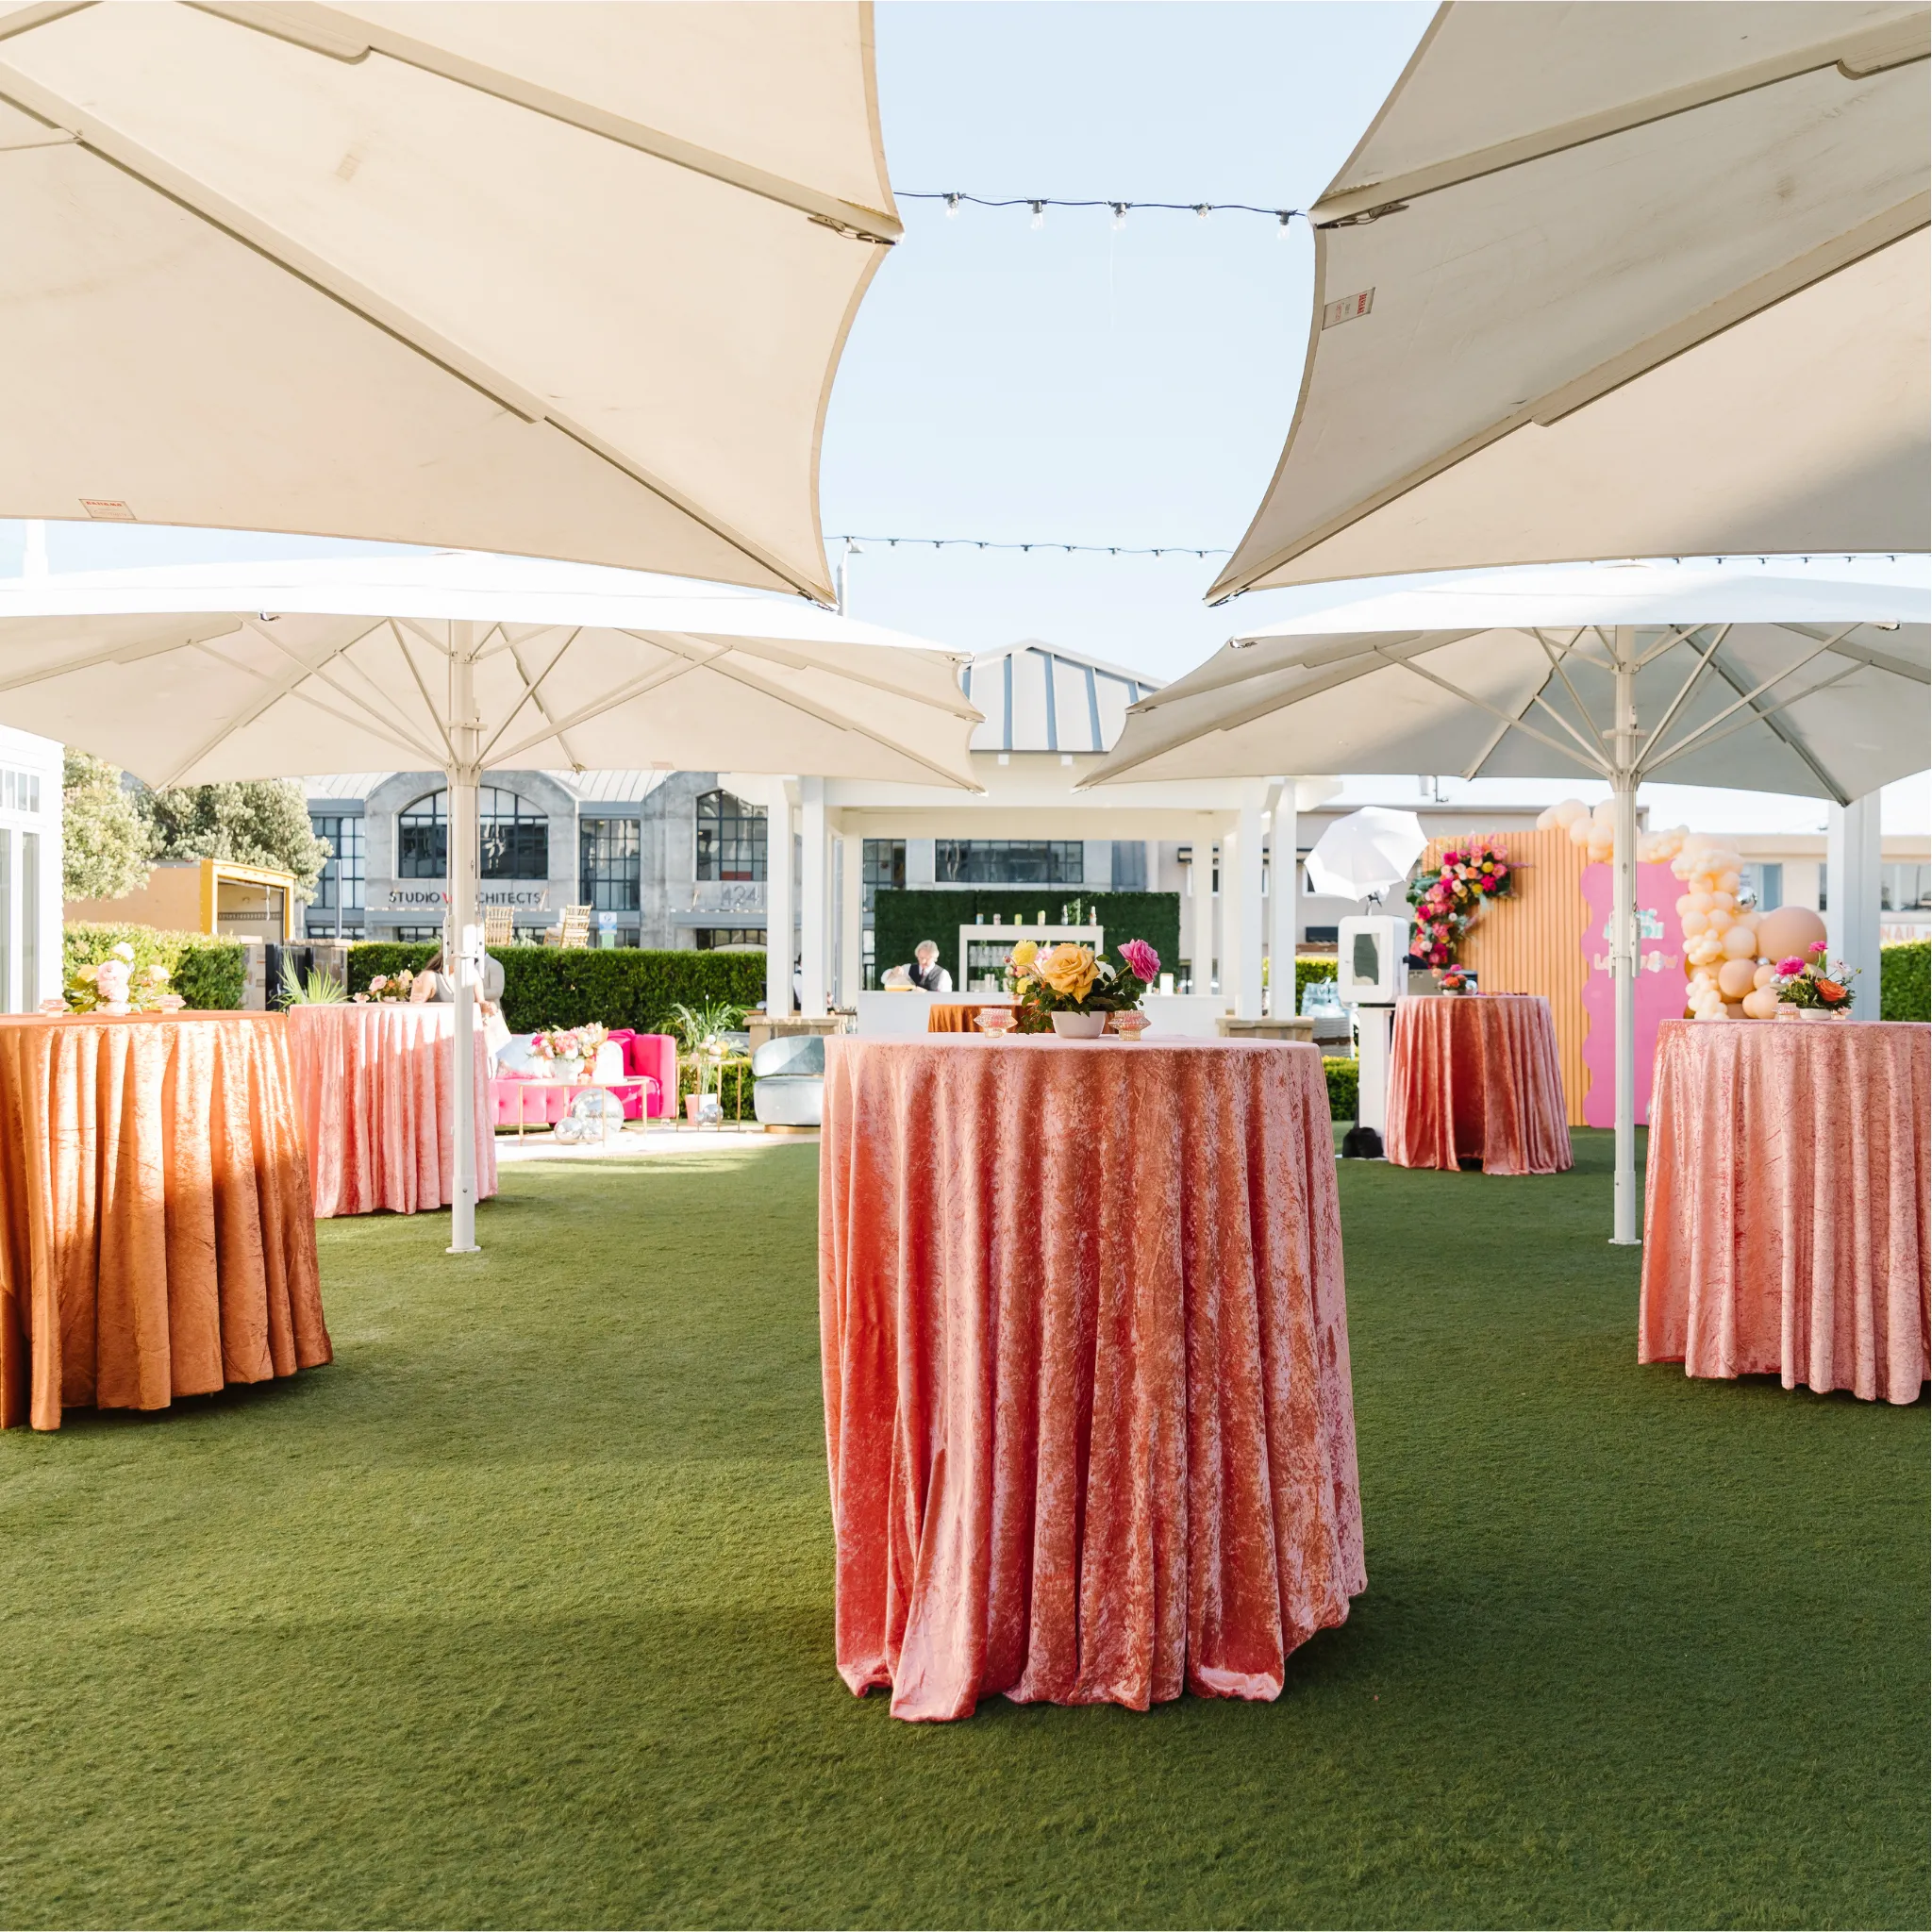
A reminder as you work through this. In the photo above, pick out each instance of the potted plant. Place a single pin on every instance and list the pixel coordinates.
(1807, 990)
(704, 1034)
(1071, 990)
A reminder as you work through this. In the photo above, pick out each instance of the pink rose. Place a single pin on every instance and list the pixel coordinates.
(1143, 962)
(1816, 948)
(1792, 966)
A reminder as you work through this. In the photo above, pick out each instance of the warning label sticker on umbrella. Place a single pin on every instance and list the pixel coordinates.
(1348, 308)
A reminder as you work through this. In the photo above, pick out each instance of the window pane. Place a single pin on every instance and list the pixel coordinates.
(423, 838)
(1009, 862)
(515, 837)
(731, 838)
(608, 864)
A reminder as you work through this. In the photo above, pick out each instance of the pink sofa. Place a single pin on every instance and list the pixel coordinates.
(649, 1093)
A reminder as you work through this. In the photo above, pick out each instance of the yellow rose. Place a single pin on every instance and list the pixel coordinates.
(1023, 955)
(1069, 970)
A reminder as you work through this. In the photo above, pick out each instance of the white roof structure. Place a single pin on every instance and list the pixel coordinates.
(564, 281)
(1644, 279)
(1038, 698)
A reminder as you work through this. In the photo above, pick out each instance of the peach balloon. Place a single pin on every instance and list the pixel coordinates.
(1741, 942)
(1736, 977)
(1766, 974)
(1718, 920)
(1762, 1004)
(1727, 900)
(1693, 924)
(1790, 929)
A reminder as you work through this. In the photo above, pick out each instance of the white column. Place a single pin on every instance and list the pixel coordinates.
(1852, 856)
(1201, 883)
(1623, 934)
(851, 919)
(1285, 896)
(1243, 911)
(464, 929)
(777, 900)
(1153, 850)
(814, 899)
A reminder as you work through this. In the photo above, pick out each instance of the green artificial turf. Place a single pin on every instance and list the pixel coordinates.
(520, 1614)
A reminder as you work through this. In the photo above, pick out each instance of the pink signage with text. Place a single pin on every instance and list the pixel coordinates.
(1659, 984)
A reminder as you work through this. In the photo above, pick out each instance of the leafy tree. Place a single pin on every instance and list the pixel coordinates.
(104, 838)
(264, 822)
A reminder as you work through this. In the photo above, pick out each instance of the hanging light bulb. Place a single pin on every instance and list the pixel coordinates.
(1119, 214)
(1203, 209)
(953, 202)
(1039, 209)
(1282, 217)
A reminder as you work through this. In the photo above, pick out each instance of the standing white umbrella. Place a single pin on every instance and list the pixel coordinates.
(1618, 281)
(463, 663)
(1366, 854)
(1826, 710)
(562, 281)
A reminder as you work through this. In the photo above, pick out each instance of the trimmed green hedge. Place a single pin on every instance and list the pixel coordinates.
(212, 975)
(1344, 1088)
(902, 918)
(1306, 970)
(615, 986)
(1904, 981)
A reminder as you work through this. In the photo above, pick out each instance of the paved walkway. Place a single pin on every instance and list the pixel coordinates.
(659, 1138)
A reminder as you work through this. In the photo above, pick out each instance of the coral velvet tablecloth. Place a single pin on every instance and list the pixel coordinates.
(1476, 1077)
(377, 1107)
(1085, 1346)
(156, 1235)
(1785, 1219)
(960, 1018)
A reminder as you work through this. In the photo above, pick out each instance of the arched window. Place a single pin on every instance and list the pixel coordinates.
(515, 837)
(731, 838)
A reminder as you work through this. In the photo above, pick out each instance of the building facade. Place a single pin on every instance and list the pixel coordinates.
(30, 968)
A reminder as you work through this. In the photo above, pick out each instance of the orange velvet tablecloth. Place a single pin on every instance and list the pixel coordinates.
(374, 1089)
(959, 1018)
(156, 1234)
(1475, 1076)
(1085, 1346)
(1785, 1220)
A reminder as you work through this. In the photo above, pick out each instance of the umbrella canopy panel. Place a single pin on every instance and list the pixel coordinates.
(565, 280)
(1618, 280)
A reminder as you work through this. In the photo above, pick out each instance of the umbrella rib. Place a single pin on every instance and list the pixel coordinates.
(110, 654)
(396, 734)
(1556, 658)
(1769, 715)
(98, 138)
(1782, 730)
(346, 38)
(1677, 634)
(408, 658)
(533, 695)
(1690, 685)
(1750, 698)
(958, 703)
(1879, 660)
(638, 687)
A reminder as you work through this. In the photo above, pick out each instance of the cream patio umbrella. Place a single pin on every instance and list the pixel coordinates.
(563, 281)
(1618, 280)
(1826, 709)
(191, 676)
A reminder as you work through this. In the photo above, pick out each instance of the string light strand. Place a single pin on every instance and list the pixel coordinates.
(858, 543)
(955, 199)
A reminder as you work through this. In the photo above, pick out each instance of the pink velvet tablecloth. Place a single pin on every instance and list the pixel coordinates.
(1475, 1076)
(1785, 1221)
(377, 1107)
(1085, 1346)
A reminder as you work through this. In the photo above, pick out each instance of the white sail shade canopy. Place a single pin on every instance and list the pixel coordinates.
(564, 280)
(195, 676)
(1823, 710)
(1646, 279)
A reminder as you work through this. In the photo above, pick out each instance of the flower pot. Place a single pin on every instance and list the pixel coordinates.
(1079, 1026)
(690, 1108)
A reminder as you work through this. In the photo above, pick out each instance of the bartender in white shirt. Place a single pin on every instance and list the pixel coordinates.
(926, 972)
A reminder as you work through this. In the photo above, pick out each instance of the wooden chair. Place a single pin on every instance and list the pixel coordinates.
(576, 930)
(499, 925)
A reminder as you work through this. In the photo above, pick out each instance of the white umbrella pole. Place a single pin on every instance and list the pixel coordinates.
(462, 775)
(1623, 937)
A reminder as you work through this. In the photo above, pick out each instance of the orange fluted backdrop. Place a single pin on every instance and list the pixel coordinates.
(156, 1232)
(1785, 1219)
(379, 1112)
(1532, 941)
(1085, 1346)
(1473, 1076)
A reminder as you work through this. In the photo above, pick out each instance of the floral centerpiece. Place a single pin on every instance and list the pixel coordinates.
(563, 1050)
(117, 984)
(1447, 900)
(1810, 985)
(388, 990)
(1069, 989)
(1458, 980)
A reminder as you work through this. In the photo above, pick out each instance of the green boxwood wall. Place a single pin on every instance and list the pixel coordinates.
(902, 918)
(1344, 1088)
(616, 986)
(1904, 981)
(209, 974)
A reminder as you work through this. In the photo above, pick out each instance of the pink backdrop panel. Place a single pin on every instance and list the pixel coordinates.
(1659, 984)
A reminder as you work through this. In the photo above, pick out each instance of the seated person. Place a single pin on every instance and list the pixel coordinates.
(926, 973)
(491, 991)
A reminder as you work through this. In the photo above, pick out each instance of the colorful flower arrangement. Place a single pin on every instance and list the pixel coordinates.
(116, 985)
(1458, 980)
(1447, 900)
(568, 1043)
(1068, 978)
(1812, 983)
(388, 990)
